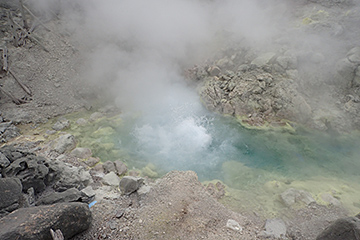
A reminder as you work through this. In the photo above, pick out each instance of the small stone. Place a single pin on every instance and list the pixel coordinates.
(109, 166)
(292, 196)
(119, 213)
(120, 167)
(130, 184)
(111, 179)
(81, 121)
(275, 228)
(88, 194)
(214, 71)
(61, 124)
(92, 161)
(112, 225)
(234, 225)
(82, 153)
(328, 198)
(95, 116)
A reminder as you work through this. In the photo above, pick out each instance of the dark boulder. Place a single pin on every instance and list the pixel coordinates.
(36, 222)
(70, 195)
(10, 195)
(344, 228)
(31, 170)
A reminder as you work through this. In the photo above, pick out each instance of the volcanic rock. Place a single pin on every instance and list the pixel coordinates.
(34, 223)
(344, 228)
(70, 195)
(10, 195)
(130, 184)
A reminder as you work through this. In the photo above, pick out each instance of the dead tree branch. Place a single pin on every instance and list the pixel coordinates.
(57, 235)
(14, 99)
(13, 29)
(5, 58)
(23, 86)
(23, 16)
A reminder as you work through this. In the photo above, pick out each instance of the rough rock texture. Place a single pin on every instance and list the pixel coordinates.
(35, 222)
(10, 195)
(275, 228)
(82, 153)
(344, 228)
(70, 195)
(61, 124)
(292, 196)
(130, 184)
(64, 143)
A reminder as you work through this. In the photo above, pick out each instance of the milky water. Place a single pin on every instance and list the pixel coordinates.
(256, 165)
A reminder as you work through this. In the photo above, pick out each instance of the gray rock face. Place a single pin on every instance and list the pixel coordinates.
(34, 223)
(70, 195)
(130, 184)
(64, 143)
(10, 195)
(292, 196)
(344, 228)
(275, 228)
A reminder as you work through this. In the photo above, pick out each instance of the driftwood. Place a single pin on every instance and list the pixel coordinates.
(23, 86)
(57, 235)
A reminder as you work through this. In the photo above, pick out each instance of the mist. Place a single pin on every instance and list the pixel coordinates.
(137, 51)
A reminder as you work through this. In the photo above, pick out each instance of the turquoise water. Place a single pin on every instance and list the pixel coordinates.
(203, 142)
(256, 165)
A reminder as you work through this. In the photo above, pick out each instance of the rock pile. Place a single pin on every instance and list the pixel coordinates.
(29, 180)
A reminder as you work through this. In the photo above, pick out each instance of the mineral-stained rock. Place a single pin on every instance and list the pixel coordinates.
(275, 228)
(61, 124)
(344, 228)
(10, 194)
(34, 223)
(70, 195)
(82, 153)
(292, 196)
(130, 184)
(64, 143)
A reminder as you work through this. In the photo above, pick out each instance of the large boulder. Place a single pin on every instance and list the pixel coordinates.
(344, 228)
(35, 223)
(10, 195)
